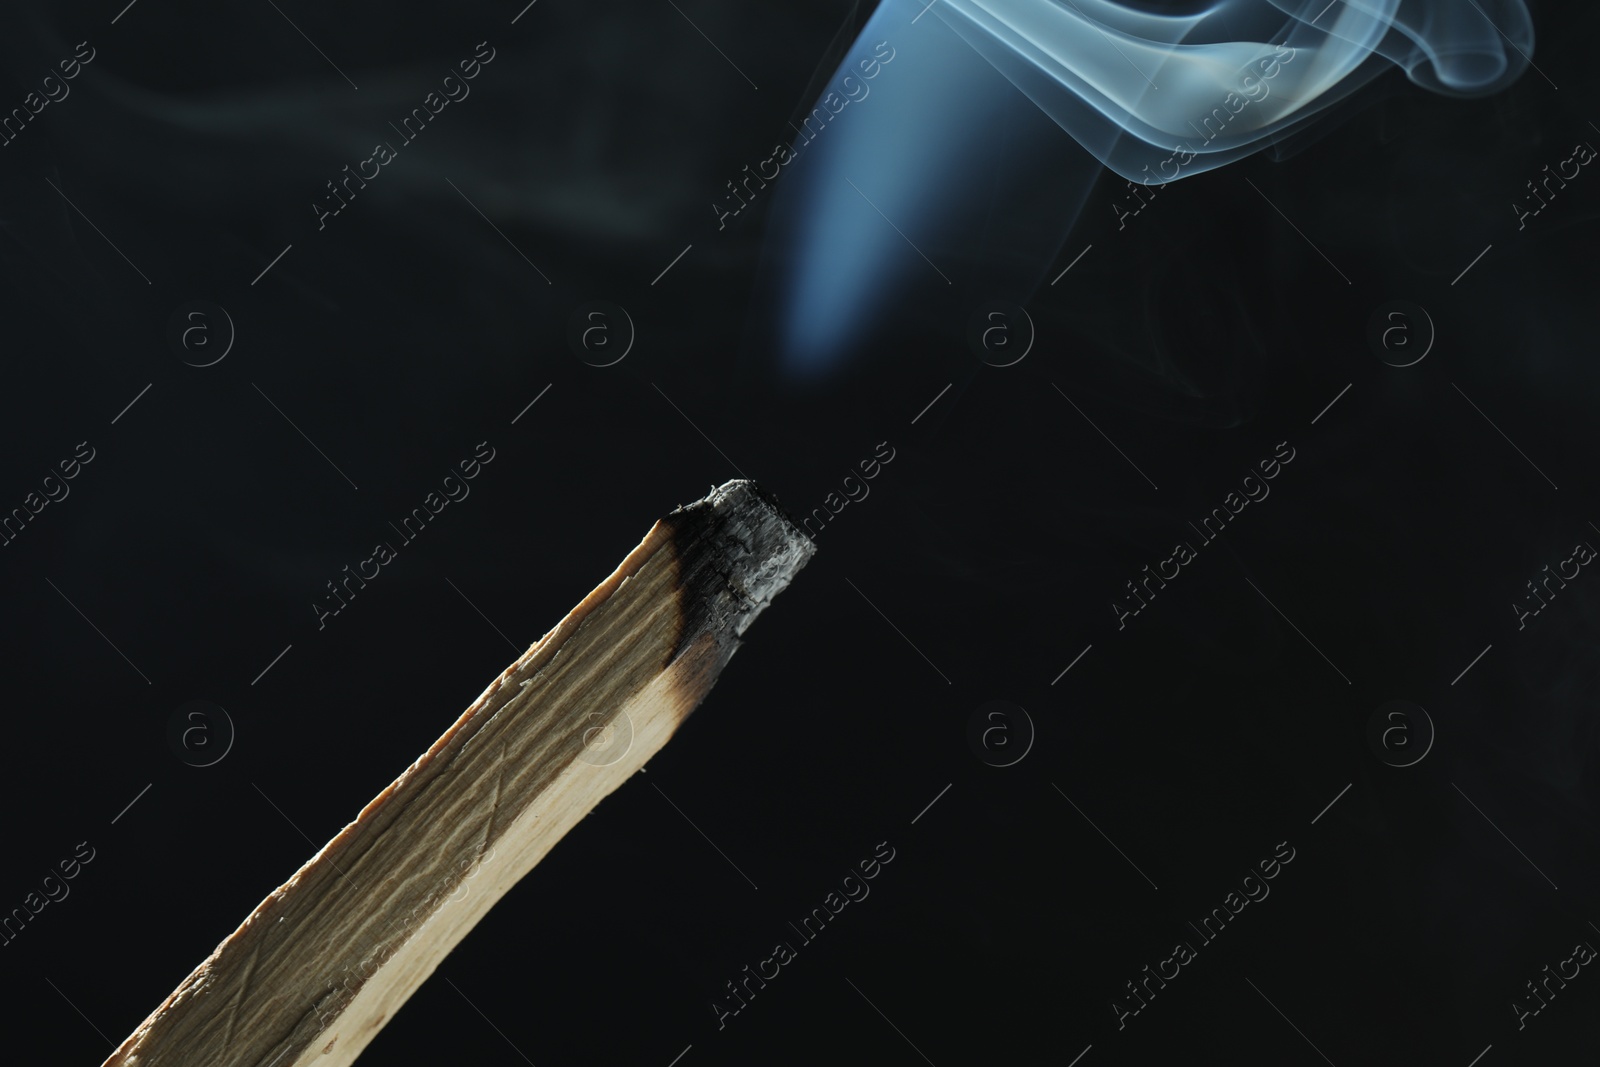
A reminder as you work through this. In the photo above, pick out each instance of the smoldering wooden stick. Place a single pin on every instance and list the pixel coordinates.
(315, 971)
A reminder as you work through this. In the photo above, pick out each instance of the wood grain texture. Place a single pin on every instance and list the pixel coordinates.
(320, 965)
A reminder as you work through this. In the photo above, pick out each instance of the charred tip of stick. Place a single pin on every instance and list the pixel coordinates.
(736, 551)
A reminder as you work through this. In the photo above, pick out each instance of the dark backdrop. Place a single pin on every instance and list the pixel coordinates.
(1178, 752)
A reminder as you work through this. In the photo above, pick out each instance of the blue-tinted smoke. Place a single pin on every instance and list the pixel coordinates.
(1134, 87)
(901, 179)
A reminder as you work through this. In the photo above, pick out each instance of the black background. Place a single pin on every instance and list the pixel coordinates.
(1196, 739)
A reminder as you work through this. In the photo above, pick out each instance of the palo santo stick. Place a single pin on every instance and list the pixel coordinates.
(323, 962)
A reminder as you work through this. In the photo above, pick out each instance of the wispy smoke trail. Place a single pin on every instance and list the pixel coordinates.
(1132, 85)
(933, 160)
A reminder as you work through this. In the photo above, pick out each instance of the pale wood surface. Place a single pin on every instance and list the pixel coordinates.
(321, 964)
